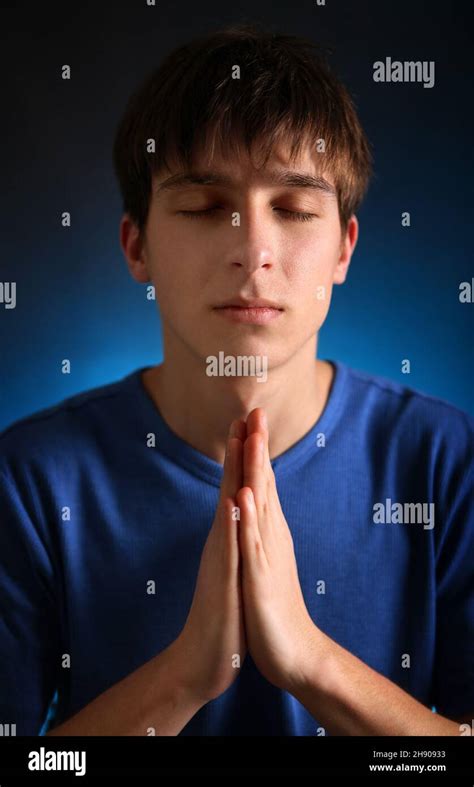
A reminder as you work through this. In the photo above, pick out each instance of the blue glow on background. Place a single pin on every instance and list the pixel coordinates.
(400, 300)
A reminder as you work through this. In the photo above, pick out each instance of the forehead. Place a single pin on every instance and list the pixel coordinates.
(237, 170)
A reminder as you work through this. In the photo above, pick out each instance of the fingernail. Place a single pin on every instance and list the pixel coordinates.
(264, 419)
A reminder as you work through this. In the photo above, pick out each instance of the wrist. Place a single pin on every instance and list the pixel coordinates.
(314, 664)
(182, 676)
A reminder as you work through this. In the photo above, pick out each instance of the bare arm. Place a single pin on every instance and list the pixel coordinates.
(167, 691)
(154, 696)
(345, 695)
(350, 698)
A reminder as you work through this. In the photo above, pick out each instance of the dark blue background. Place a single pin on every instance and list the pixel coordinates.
(75, 298)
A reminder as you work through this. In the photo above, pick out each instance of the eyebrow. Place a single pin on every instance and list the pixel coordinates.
(286, 177)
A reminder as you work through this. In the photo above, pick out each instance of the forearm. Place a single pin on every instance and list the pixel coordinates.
(157, 696)
(349, 698)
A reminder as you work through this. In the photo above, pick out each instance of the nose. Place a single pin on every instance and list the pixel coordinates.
(255, 246)
(252, 259)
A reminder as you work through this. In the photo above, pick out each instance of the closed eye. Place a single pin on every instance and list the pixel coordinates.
(195, 214)
(291, 215)
(294, 215)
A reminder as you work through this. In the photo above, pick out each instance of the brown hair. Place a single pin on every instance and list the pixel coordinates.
(286, 91)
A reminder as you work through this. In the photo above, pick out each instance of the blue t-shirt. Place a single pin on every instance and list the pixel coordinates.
(91, 512)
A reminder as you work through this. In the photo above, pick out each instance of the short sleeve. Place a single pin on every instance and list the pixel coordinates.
(29, 631)
(454, 652)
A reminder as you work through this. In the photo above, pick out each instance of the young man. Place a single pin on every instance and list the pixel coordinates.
(287, 552)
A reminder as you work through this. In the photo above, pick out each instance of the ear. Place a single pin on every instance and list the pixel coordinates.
(348, 244)
(132, 245)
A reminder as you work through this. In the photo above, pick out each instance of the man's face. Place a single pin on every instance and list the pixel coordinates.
(249, 242)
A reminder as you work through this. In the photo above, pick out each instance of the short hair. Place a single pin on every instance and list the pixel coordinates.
(286, 92)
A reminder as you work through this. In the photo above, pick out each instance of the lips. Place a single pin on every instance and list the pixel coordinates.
(242, 312)
(252, 303)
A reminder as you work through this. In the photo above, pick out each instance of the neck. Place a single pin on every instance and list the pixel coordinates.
(199, 409)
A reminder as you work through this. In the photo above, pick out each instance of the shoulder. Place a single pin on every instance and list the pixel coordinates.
(412, 435)
(49, 435)
(422, 441)
(401, 409)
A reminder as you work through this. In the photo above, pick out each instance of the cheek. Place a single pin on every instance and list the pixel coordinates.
(174, 264)
(310, 280)
(311, 268)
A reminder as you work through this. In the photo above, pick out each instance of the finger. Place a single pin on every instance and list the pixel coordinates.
(239, 429)
(226, 520)
(257, 423)
(230, 530)
(235, 471)
(232, 471)
(250, 541)
(253, 475)
(255, 419)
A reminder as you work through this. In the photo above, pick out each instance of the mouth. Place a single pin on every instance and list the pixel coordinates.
(250, 303)
(257, 313)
